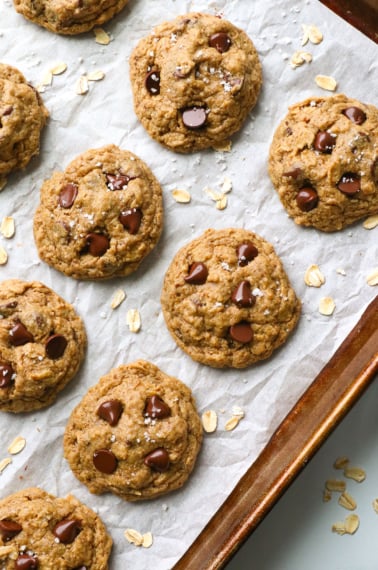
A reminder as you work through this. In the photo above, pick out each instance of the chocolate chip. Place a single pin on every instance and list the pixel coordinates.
(307, 199)
(67, 195)
(194, 117)
(295, 173)
(198, 273)
(105, 461)
(220, 41)
(241, 332)
(9, 529)
(131, 220)
(246, 252)
(158, 460)
(6, 374)
(110, 411)
(152, 82)
(26, 562)
(156, 408)
(55, 346)
(67, 530)
(349, 183)
(242, 295)
(19, 335)
(117, 181)
(324, 142)
(7, 111)
(97, 244)
(355, 114)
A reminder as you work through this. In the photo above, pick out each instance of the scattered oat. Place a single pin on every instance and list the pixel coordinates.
(95, 75)
(133, 536)
(222, 203)
(341, 271)
(147, 540)
(118, 298)
(215, 196)
(40, 88)
(299, 58)
(133, 320)
(311, 33)
(375, 505)
(209, 421)
(4, 463)
(355, 473)
(352, 522)
(3, 256)
(371, 222)
(82, 86)
(327, 496)
(372, 278)
(238, 414)
(326, 82)
(223, 146)
(347, 501)
(59, 68)
(339, 527)
(314, 277)
(101, 37)
(47, 79)
(181, 196)
(335, 485)
(227, 185)
(341, 462)
(7, 227)
(326, 306)
(17, 445)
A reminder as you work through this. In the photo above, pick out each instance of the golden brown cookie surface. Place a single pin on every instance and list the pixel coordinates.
(194, 80)
(136, 433)
(227, 300)
(40, 531)
(101, 216)
(324, 162)
(42, 344)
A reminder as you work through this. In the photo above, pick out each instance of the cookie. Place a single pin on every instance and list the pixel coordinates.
(42, 343)
(22, 118)
(101, 216)
(69, 17)
(40, 531)
(227, 300)
(324, 162)
(194, 80)
(136, 433)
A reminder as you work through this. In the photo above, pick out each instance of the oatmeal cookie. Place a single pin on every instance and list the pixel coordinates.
(194, 80)
(136, 433)
(42, 344)
(101, 216)
(227, 300)
(22, 118)
(69, 17)
(40, 531)
(324, 162)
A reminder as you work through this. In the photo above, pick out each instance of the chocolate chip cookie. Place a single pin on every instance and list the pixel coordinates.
(324, 162)
(40, 531)
(136, 433)
(22, 118)
(101, 216)
(42, 343)
(194, 80)
(69, 17)
(227, 300)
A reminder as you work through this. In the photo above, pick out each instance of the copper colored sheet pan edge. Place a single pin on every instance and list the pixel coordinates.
(362, 14)
(317, 413)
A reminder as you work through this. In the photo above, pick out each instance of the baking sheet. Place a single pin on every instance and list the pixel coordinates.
(104, 115)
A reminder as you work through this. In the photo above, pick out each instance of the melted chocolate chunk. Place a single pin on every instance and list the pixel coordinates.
(117, 181)
(307, 199)
(220, 41)
(194, 117)
(156, 408)
(242, 295)
(246, 252)
(105, 461)
(67, 195)
(6, 374)
(158, 460)
(198, 273)
(9, 529)
(26, 562)
(152, 82)
(97, 244)
(55, 346)
(241, 332)
(355, 114)
(131, 220)
(324, 142)
(67, 530)
(19, 335)
(110, 411)
(349, 183)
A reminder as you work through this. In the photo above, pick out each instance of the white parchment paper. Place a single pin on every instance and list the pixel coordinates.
(105, 115)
